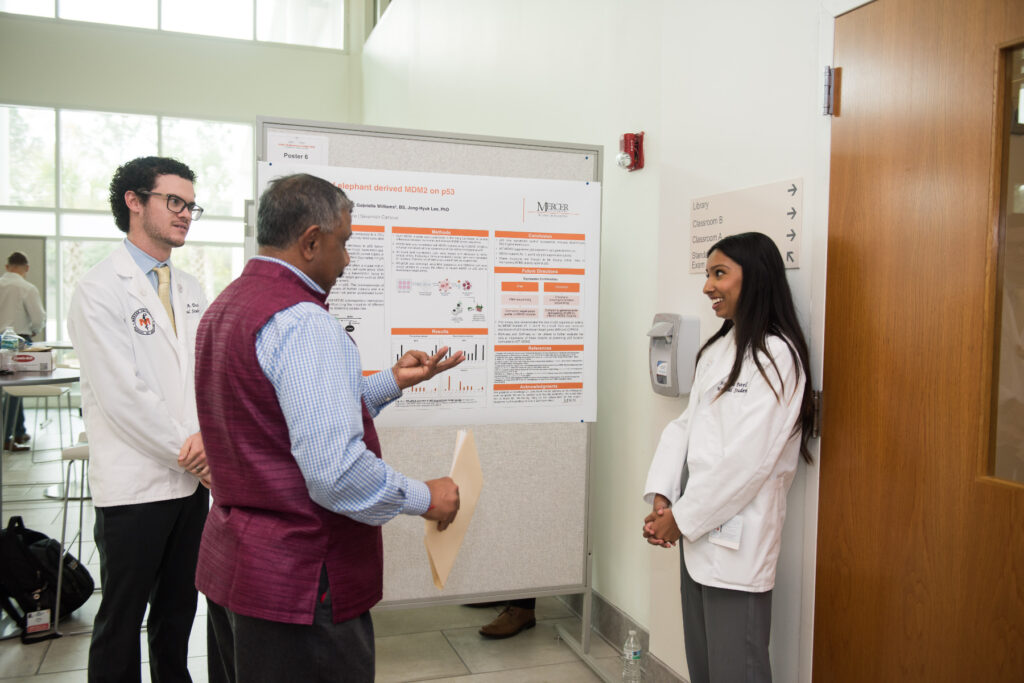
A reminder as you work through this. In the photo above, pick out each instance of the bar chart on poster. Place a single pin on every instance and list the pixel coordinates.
(489, 247)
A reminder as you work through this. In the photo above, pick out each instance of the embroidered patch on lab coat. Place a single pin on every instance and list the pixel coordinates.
(142, 321)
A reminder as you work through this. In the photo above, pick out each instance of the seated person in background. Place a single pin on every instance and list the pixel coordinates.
(21, 309)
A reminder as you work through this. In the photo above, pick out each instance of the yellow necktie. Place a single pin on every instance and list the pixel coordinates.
(163, 290)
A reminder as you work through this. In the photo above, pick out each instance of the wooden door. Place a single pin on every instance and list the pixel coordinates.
(920, 570)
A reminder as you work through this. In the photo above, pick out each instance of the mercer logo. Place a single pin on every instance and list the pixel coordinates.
(546, 207)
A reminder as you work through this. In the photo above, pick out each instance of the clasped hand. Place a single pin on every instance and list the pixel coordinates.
(192, 458)
(660, 526)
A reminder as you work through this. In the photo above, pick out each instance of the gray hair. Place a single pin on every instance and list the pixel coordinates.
(292, 203)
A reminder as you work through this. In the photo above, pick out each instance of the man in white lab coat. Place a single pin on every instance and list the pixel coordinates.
(133, 320)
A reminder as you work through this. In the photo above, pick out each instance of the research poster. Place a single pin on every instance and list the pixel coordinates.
(503, 269)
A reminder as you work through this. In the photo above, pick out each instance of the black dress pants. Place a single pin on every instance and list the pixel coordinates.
(14, 412)
(148, 555)
(14, 417)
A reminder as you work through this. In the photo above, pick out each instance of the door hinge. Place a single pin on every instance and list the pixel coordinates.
(816, 401)
(826, 108)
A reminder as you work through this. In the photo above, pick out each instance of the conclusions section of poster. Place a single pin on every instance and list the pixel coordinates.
(503, 269)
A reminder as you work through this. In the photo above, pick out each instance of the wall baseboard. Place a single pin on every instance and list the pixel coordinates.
(612, 624)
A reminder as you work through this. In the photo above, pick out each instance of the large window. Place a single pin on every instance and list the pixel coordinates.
(318, 23)
(1008, 461)
(55, 168)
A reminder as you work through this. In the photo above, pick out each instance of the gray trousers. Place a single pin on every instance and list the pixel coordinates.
(243, 649)
(726, 632)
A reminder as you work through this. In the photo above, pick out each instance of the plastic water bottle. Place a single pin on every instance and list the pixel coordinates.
(10, 344)
(631, 654)
(10, 339)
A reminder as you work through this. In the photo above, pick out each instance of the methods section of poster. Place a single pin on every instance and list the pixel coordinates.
(505, 270)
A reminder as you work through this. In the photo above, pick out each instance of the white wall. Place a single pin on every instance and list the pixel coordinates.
(543, 70)
(73, 64)
(741, 107)
(728, 93)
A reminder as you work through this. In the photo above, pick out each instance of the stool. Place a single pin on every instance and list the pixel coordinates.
(45, 391)
(77, 454)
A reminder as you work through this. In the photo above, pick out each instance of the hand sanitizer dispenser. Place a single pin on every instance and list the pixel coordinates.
(675, 341)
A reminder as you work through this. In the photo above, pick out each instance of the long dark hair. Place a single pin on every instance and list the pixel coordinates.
(765, 308)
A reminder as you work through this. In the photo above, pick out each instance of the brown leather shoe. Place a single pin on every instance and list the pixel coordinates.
(510, 622)
(9, 445)
(24, 438)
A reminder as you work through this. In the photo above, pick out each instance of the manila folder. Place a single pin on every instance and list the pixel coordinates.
(443, 546)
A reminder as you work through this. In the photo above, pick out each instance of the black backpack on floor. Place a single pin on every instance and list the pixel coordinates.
(28, 575)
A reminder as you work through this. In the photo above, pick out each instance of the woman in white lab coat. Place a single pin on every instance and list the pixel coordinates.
(720, 474)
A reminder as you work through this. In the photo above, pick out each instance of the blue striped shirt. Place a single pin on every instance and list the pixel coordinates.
(316, 371)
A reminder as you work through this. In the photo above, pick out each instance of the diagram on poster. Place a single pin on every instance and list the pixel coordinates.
(503, 269)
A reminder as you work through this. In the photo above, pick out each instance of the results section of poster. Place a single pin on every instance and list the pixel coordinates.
(503, 269)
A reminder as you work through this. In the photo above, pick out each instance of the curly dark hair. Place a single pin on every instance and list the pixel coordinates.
(141, 174)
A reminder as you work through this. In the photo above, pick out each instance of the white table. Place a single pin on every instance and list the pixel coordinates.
(26, 379)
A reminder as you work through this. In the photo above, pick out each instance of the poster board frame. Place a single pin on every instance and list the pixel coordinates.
(545, 530)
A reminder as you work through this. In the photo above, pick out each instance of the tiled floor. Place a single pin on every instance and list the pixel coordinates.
(425, 644)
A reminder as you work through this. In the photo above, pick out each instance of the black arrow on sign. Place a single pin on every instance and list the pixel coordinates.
(792, 189)
(791, 213)
(791, 234)
(789, 257)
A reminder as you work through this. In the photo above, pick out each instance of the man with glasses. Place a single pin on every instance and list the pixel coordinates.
(133, 320)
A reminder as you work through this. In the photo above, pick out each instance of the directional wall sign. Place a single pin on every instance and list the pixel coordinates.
(775, 209)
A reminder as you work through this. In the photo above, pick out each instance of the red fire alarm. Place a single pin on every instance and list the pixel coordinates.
(631, 151)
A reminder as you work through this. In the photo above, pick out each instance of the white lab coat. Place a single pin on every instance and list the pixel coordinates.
(138, 388)
(742, 456)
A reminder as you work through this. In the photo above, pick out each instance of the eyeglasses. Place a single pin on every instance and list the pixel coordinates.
(175, 203)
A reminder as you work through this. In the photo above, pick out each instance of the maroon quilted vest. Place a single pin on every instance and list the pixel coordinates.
(265, 540)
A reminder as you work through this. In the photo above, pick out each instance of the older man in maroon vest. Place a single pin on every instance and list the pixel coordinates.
(291, 559)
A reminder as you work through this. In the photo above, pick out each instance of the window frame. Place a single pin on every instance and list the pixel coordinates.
(346, 14)
(58, 211)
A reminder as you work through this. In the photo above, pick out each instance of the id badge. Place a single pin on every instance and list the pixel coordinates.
(728, 534)
(37, 621)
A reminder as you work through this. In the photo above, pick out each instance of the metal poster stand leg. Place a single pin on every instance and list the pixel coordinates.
(582, 646)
